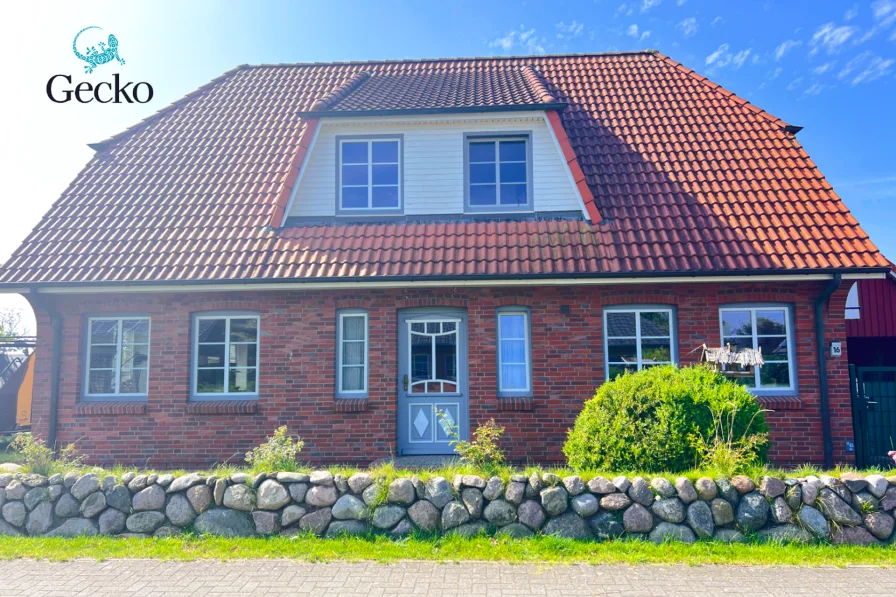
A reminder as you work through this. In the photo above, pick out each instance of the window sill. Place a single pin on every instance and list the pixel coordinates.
(222, 407)
(111, 408)
(516, 403)
(780, 402)
(351, 405)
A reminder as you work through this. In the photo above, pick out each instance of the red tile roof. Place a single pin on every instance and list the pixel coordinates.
(683, 175)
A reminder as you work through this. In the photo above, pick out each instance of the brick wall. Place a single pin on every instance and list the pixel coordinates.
(297, 370)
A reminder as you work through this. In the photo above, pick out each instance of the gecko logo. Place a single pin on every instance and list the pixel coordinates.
(61, 91)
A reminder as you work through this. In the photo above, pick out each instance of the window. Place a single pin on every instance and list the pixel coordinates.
(117, 356)
(226, 355)
(762, 328)
(514, 353)
(370, 174)
(351, 375)
(853, 311)
(637, 338)
(498, 173)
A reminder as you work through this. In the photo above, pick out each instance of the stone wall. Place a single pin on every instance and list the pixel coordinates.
(851, 509)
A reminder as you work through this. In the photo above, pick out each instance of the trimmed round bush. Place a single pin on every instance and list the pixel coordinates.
(651, 420)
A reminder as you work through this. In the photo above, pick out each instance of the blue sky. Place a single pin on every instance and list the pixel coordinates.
(827, 66)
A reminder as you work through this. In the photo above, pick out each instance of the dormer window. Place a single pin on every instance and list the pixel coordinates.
(498, 173)
(369, 175)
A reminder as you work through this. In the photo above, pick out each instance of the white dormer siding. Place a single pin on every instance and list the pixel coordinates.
(433, 162)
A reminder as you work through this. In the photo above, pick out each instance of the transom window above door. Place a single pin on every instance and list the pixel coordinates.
(498, 174)
(369, 175)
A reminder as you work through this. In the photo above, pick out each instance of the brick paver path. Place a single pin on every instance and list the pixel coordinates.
(424, 579)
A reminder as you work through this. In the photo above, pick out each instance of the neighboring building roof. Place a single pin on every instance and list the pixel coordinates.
(687, 178)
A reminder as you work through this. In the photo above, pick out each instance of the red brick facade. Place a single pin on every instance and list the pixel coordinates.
(296, 377)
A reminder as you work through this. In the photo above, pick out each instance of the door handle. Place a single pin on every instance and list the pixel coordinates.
(405, 382)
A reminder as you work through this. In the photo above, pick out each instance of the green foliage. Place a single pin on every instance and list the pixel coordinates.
(484, 451)
(724, 450)
(651, 421)
(38, 458)
(278, 453)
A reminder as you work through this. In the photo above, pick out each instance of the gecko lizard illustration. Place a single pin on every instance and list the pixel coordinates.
(95, 58)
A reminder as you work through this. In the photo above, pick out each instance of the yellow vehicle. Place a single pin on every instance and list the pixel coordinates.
(16, 383)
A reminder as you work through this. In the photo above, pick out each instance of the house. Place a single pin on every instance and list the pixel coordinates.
(373, 252)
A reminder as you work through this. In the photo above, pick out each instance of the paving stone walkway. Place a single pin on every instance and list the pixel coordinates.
(152, 578)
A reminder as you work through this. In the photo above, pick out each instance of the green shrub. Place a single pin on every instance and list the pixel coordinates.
(654, 421)
(278, 453)
(484, 451)
(38, 458)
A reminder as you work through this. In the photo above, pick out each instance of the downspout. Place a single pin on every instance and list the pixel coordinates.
(823, 370)
(55, 360)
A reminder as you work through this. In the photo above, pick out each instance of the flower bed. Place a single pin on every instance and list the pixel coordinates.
(853, 509)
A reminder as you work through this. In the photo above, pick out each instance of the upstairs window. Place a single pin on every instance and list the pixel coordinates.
(117, 357)
(369, 175)
(499, 174)
(768, 328)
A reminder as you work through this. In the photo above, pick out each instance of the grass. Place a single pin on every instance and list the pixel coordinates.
(540, 550)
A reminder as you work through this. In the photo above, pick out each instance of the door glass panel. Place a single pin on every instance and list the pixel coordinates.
(433, 357)
(446, 422)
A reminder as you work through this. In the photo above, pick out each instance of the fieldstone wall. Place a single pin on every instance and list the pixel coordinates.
(851, 509)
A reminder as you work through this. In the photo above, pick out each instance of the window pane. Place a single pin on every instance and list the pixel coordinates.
(354, 197)
(353, 327)
(513, 194)
(513, 172)
(482, 173)
(655, 324)
(352, 379)
(513, 351)
(622, 350)
(513, 151)
(354, 175)
(774, 375)
(774, 349)
(433, 328)
(103, 357)
(354, 153)
(385, 174)
(385, 151)
(513, 377)
(133, 381)
(209, 381)
(513, 326)
(243, 355)
(211, 355)
(242, 380)
(738, 344)
(620, 324)
(243, 330)
(134, 355)
(736, 323)
(385, 197)
(101, 382)
(655, 350)
(482, 194)
(617, 370)
(135, 331)
(418, 327)
(352, 353)
(211, 330)
(771, 322)
(446, 357)
(482, 151)
(104, 331)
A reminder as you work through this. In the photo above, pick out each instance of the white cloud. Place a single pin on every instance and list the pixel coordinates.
(785, 46)
(776, 73)
(865, 68)
(574, 29)
(830, 38)
(851, 13)
(522, 38)
(820, 70)
(741, 57)
(718, 56)
(625, 9)
(681, 2)
(795, 84)
(814, 89)
(645, 35)
(717, 21)
(722, 58)
(632, 31)
(688, 26)
(648, 4)
(884, 12)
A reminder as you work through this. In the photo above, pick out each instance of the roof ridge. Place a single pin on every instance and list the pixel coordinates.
(330, 99)
(105, 143)
(533, 78)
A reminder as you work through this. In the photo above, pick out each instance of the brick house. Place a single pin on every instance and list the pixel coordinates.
(350, 248)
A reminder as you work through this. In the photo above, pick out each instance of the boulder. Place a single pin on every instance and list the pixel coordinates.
(55, 491)
(888, 502)
(515, 492)
(880, 524)
(500, 513)
(785, 533)
(729, 536)
(637, 519)
(606, 525)
(75, 527)
(834, 508)
(810, 493)
(371, 495)
(5, 479)
(667, 531)
(266, 522)
(93, 504)
(472, 499)
(743, 484)
(359, 482)
(669, 509)
(454, 514)
(574, 484)
(853, 536)
(16, 490)
(145, 522)
(10, 467)
(34, 480)
(321, 495)
(494, 488)
(700, 519)
(179, 511)
(663, 487)
(200, 498)
(752, 512)
(554, 500)
(837, 486)
(401, 491)
(854, 482)
(346, 528)
(138, 483)
(727, 491)
(298, 491)
(239, 478)
(531, 514)
(239, 497)
(324, 478)
(68, 507)
(223, 522)
(877, 485)
(438, 492)
(8, 530)
(621, 483)
(341, 483)
(151, 498)
(706, 488)
(569, 525)
(601, 485)
(615, 502)
(473, 481)
(425, 515)
(291, 515)
(387, 516)
(722, 512)
(640, 492)
(469, 529)
(349, 507)
(185, 482)
(514, 530)
(814, 521)
(218, 491)
(863, 501)
(40, 519)
(794, 497)
(14, 513)
(119, 498)
(163, 480)
(685, 490)
(781, 512)
(772, 487)
(111, 522)
(35, 496)
(289, 477)
(585, 505)
(271, 495)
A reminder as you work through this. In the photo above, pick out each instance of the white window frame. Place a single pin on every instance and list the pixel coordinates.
(853, 307)
(497, 138)
(527, 338)
(369, 140)
(791, 348)
(194, 370)
(340, 340)
(637, 310)
(116, 395)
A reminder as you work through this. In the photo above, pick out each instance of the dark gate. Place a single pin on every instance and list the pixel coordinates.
(874, 414)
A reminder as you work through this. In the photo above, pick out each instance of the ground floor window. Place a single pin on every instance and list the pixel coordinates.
(117, 356)
(226, 355)
(514, 352)
(637, 337)
(765, 328)
(352, 354)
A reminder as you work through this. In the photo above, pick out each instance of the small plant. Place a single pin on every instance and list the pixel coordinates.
(278, 453)
(869, 506)
(729, 449)
(39, 458)
(484, 451)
